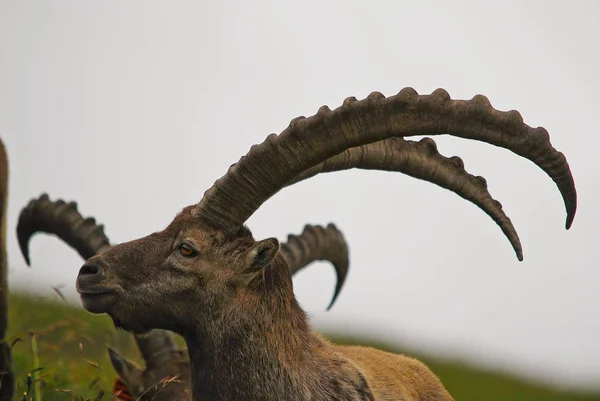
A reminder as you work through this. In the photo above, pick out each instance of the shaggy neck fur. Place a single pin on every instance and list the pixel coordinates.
(263, 349)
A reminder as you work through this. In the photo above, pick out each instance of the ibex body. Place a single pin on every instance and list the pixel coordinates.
(231, 297)
(166, 376)
(248, 329)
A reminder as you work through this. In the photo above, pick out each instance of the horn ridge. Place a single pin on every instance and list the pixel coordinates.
(63, 220)
(421, 160)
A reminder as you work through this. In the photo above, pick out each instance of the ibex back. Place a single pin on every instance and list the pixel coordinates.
(231, 297)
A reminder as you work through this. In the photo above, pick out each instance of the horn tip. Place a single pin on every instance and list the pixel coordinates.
(338, 288)
(341, 271)
(516, 244)
(570, 218)
(112, 352)
(24, 246)
(332, 302)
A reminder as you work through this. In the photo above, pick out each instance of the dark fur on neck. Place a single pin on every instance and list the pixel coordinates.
(265, 350)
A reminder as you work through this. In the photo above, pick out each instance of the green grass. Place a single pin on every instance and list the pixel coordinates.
(71, 347)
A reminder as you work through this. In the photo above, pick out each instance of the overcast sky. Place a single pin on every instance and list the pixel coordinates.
(135, 108)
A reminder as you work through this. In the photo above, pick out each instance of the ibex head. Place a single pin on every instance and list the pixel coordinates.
(166, 375)
(206, 269)
(189, 269)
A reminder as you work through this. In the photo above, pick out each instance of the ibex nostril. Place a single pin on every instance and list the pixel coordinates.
(89, 269)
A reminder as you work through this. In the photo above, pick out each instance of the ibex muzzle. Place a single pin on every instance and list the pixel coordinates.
(90, 285)
(129, 271)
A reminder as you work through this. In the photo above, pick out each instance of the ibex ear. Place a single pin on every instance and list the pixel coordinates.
(256, 258)
(126, 370)
(261, 254)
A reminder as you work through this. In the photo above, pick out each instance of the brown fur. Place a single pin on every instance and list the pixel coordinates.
(234, 304)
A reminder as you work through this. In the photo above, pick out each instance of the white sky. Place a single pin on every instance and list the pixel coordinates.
(135, 108)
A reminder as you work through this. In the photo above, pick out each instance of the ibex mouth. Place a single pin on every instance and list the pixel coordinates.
(94, 292)
(97, 301)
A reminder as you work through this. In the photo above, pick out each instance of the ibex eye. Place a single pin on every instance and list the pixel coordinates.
(187, 251)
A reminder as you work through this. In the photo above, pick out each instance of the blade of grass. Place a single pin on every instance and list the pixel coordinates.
(37, 395)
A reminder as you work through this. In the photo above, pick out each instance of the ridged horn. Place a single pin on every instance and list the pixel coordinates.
(318, 243)
(423, 161)
(268, 167)
(63, 220)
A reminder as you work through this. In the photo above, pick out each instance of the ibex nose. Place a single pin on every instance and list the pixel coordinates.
(89, 268)
(90, 275)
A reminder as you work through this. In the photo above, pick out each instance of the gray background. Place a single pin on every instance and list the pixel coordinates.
(135, 108)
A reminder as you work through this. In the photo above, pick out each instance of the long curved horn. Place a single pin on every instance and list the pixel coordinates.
(88, 239)
(423, 161)
(268, 167)
(63, 220)
(318, 243)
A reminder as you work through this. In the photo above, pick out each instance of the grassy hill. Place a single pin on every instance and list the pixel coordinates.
(71, 347)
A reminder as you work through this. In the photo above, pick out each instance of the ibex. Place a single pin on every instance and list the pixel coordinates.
(7, 380)
(167, 374)
(231, 297)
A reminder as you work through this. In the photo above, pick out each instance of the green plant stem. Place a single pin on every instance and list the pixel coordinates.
(37, 395)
